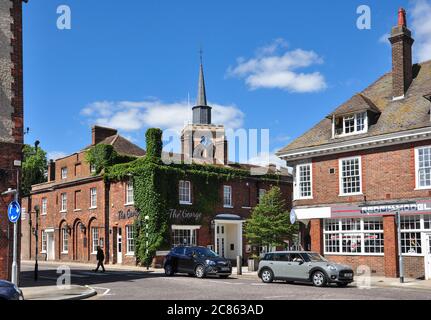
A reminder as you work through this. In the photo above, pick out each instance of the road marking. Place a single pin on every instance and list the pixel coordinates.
(105, 293)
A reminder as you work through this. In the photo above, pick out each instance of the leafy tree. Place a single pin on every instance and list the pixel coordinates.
(269, 223)
(34, 168)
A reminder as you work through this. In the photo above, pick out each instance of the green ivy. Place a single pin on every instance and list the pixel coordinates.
(102, 156)
(156, 191)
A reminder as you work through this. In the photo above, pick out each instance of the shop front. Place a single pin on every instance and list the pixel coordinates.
(366, 235)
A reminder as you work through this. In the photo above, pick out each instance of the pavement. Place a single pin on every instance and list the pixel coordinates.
(137, 283)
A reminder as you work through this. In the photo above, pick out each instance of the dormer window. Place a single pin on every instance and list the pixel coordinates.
(350, 124)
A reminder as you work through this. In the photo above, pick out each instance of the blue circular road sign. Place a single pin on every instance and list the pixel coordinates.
(292, 217)
(13, 211)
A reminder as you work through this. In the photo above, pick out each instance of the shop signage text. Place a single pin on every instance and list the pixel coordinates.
(176, 214)
(409, 207)
(127, 215)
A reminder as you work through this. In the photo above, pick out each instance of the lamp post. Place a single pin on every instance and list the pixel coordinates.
(400, 252)
(146, 237)
(36, 233)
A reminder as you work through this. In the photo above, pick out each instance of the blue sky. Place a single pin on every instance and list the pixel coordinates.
(278, 65)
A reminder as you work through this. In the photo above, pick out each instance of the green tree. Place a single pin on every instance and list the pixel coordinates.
(34, 168)
(269, 223)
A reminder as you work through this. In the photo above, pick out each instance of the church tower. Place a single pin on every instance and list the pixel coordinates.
(202, 141)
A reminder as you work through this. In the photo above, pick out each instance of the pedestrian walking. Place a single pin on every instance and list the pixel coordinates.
(100, 258)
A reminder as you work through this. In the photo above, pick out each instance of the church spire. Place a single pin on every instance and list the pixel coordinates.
(202, 96)
(201, 112)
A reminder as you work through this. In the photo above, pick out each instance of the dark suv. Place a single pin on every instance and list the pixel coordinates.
(198, 261)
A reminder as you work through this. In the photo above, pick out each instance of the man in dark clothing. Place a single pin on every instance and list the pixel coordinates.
(100, 258)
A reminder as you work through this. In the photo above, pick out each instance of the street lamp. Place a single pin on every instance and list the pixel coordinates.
(400, 252)
(146, 236)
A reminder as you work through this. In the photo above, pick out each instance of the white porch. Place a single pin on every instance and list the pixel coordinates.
(228, 235)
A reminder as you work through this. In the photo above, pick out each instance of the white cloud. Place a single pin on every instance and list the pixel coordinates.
(421, 26)
(132, 116)
(385, 39)
(271, 70)
(54, 155)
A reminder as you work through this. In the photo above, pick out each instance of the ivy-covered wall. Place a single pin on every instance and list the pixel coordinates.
(156, 192)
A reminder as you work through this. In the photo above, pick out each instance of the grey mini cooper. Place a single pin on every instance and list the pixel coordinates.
(303, 266)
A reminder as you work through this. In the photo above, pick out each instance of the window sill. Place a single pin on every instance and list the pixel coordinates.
(77, 210)
(65, 211)
(129, 204)
(43, 214)
(43, 252)
(65, 252)
(422, 188)
(304, 198)
(186, 203)
(130, 254)
(92, 208)
(351, 194)
(246, 208)
(228, 207)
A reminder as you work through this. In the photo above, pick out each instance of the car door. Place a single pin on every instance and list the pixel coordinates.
(298, 267)
(186, 262)
(280, 265)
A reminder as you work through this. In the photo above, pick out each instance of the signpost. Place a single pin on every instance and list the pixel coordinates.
(400, 253)
(14, 213)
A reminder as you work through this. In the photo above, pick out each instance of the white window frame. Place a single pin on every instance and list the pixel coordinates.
(130, 237)
(193, 232)
(44, 209)
(227, 191)
(361, 233)
(355, 125)
(297, 183)
(92, 168)
(262, 193)
(129, 197)
(44, 242)
(340, 176)
(186, 183)
(422, 230)
(64, 240)
(93, 198)
(64, 173)
(63, 202)
(417, 176)
(94, 240)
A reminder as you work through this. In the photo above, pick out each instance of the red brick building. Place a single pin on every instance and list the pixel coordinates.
(369, 158)
(11, 119)
(80, 210)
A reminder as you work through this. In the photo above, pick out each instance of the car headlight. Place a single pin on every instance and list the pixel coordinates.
(332, 268)
(210, 262)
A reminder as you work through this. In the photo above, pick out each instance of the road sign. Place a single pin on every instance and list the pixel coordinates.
(292, 217)
(14, 211)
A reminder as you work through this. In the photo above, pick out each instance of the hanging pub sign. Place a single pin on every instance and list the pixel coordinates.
(408, 207)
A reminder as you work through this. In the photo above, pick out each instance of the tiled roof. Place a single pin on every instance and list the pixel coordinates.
(412, 112)
(357, 103)
(123, 146)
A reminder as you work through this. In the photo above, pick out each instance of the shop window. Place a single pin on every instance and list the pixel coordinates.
(427, 222)
(410, 222)
(367, 236)
(411, 242)
(183, 237)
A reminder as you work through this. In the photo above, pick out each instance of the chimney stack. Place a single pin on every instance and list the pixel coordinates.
(98, 134)
(51, 170)
(402, 61)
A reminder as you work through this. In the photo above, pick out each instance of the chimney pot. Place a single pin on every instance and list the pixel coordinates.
(402, 20)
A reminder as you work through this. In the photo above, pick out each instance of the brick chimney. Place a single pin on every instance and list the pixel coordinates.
(402, 65)
(51, 170)
(99, 134)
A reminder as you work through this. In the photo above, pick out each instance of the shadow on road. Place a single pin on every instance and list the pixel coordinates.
(81, 276)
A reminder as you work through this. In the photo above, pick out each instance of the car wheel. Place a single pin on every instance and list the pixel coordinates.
(267, 276)
(200, 272)
(169, 271)
(319, 279)
(342, 284)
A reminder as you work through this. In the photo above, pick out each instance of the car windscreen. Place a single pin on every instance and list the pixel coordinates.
(313, 257)
(207, 253)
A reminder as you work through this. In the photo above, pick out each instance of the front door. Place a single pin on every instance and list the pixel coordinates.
(119, 246)
(221, 241)
(428, 256)
(50, 253)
